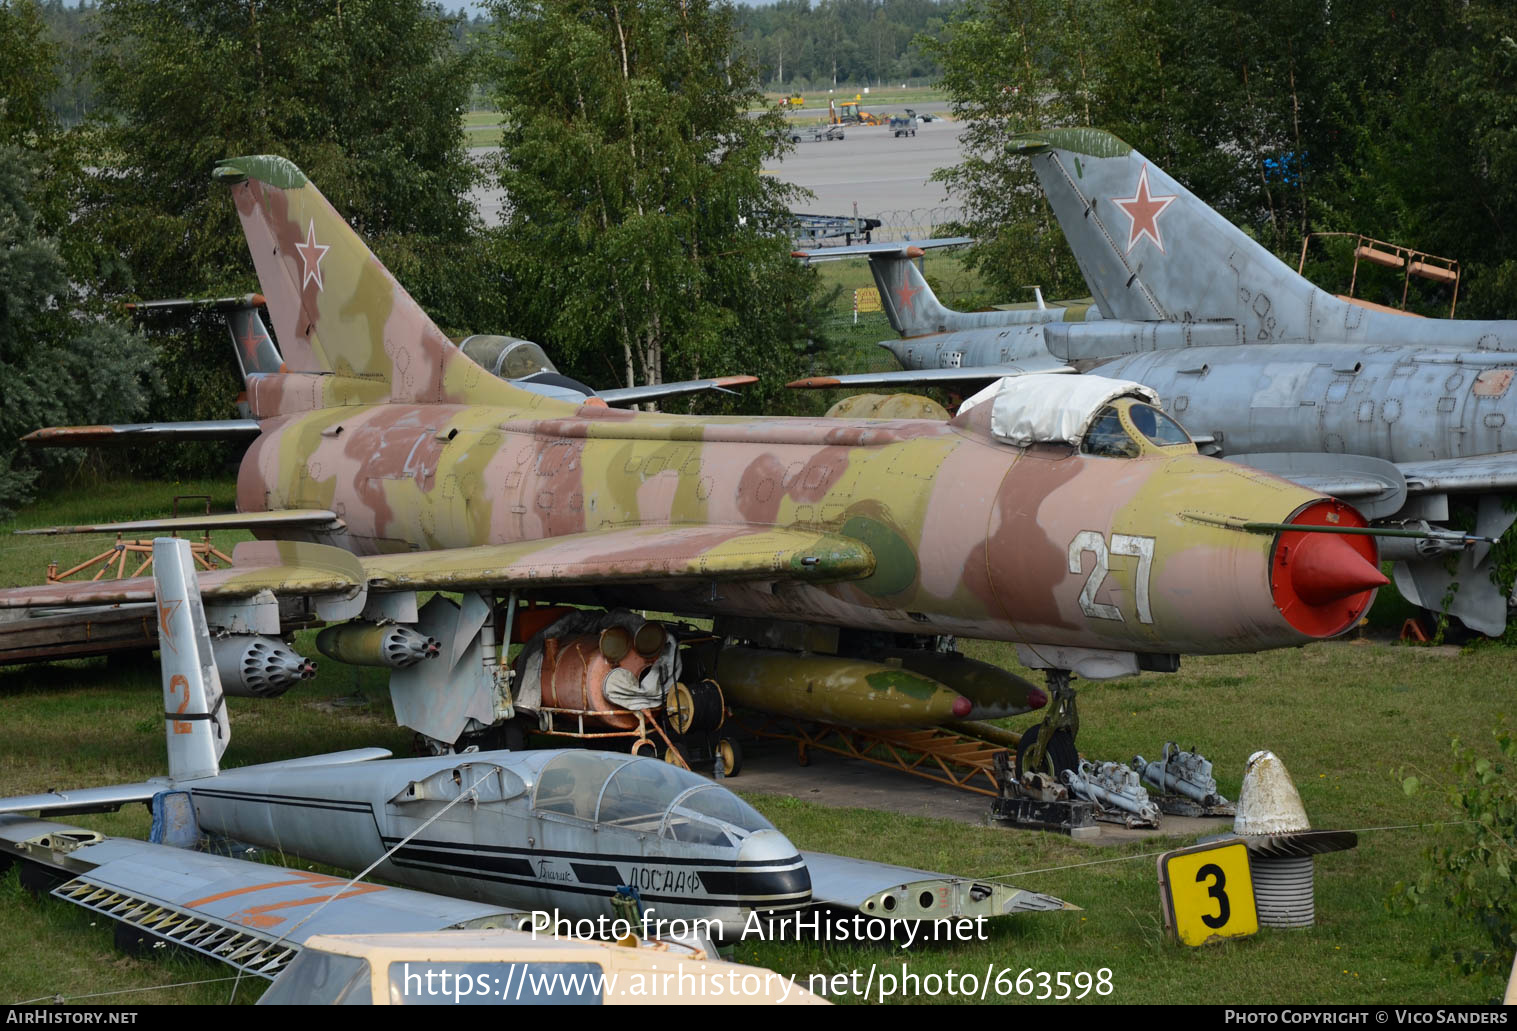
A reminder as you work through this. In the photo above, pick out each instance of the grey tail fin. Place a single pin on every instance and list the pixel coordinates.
(909, 303)
(255, 349)
(1149, 249)
(194, 705)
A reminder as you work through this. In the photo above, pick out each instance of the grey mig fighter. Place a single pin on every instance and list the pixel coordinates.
(1411, 419)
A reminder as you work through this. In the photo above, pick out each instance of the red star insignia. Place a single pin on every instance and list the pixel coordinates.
(166, 610)
(311, 254)
(905, 295)
(1144, 210)
(250, 341)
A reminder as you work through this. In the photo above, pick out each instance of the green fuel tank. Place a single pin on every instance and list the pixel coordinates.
(994, 692)
(830, 689)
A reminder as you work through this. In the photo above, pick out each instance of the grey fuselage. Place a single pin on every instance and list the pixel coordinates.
(498, 847)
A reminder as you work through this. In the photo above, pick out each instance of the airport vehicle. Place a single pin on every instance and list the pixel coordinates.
(815, 133)
(850, 112)
(905, 125)
(1018, 521)
(1406, 417)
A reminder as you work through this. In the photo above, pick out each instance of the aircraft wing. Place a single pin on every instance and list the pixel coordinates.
(248, 914)
(86, 800)
(901, 893)
(629, 555)
(313, 518)
(1457, 475)
(128, 434)
(904, 248)
(932, 377)
(621, 555)
(286, 568)
(637, 395)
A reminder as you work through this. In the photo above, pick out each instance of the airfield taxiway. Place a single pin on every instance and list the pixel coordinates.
(886, 176)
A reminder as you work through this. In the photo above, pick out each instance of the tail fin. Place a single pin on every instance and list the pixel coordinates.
(255, 349)
(194, 706)
(336, 310)
(1150, 250)
(914, 310)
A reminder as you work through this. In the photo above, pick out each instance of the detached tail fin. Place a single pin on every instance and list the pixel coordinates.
(336, 310)
(1149, 249)
(194, 706)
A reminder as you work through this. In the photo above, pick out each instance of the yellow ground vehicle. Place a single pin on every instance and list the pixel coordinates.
(795, 100)
(850, 113)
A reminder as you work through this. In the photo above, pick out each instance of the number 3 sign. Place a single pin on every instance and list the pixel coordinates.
(1206, 892)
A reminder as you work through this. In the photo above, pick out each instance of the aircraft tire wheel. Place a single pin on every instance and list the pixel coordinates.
(731, 755)
(1058, 757)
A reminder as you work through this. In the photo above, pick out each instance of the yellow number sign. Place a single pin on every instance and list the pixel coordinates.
(1207, 893)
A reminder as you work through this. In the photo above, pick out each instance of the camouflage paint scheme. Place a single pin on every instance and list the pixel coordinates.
(382, 421)
(1394, 413)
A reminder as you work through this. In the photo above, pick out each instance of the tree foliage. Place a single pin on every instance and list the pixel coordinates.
(842, 42)
(1392, 119)
(365, 96)
(641, 235)
(1470, 868)
(58, 363)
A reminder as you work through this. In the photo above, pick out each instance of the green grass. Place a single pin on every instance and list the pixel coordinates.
(1346, 717)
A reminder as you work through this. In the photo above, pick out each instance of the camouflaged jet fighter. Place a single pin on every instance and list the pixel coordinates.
(1405, 417)
(1067, 514)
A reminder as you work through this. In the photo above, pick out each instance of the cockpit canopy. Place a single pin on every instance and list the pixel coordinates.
(1105, 417)
(645, 795)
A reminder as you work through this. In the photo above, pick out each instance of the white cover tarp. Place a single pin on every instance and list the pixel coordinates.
(1046, 409)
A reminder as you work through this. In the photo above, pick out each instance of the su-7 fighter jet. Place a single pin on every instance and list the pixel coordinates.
(1067, 514)
(1401, 416)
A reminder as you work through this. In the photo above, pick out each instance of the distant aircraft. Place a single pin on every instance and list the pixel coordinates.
(1411, 419)
(1068, 515)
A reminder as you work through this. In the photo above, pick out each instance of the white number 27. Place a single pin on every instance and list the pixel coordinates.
(1141, 548)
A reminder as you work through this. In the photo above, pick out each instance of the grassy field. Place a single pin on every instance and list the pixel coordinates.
(1349, 718)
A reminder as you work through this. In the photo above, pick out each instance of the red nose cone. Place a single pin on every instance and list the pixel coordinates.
(1036, 699)
(961, 706)
(1324, 582)
(1328, 568)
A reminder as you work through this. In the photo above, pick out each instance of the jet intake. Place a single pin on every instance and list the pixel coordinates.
(388, 645)
(252, 666)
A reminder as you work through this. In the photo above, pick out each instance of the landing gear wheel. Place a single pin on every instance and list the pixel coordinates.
(730, 754)
(1060, 755)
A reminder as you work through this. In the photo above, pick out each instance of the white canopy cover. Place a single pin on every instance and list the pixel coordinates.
(1046, 409)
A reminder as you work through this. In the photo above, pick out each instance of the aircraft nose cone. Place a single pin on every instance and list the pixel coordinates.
(1327, 568)
(1324, 582)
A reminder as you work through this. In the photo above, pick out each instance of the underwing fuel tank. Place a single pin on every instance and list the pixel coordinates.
(994, 692)
(388, 645)
(832, 689)
(252, 666)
